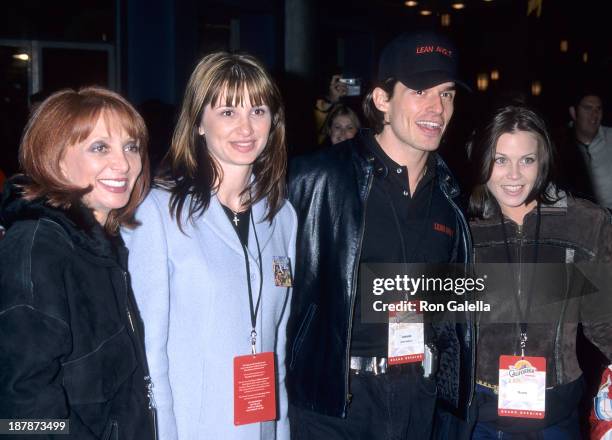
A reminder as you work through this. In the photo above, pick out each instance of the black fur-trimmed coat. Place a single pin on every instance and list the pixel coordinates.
(71, 340)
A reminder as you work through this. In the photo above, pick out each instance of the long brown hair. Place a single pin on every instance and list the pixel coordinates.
(482, 148)
(64, 119)
(190, 173)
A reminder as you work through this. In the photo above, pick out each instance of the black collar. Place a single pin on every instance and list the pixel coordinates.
(383, 163)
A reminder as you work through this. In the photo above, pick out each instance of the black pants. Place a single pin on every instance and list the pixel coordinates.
(386, 407)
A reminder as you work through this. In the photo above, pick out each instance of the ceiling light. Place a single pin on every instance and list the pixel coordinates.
(482, 81)
(536, 88)
(425, 12)
(563, 46)
(411, 3)
(585, 57)
(21, 56)
(445, 20)
(458, 5)
(494, 75)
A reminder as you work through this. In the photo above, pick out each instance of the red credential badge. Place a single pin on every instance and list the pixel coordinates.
(254, 388)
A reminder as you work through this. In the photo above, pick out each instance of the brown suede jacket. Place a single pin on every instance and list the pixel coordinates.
(570, 284)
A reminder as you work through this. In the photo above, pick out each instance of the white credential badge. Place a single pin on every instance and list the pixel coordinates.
(522, 387)
(406, 337)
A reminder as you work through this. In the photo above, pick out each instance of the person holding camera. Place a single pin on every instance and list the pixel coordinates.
(344, 95)
(396, 201)
(324, 104)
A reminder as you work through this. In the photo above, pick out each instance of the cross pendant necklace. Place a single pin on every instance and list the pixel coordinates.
(235, 220)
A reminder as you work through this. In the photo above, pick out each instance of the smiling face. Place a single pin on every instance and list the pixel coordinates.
(416, 119)
(342, 128)
(236, 134)
(515, 171)
(109, 161)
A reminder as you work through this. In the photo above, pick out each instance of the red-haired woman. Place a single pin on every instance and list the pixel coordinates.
(71, 340)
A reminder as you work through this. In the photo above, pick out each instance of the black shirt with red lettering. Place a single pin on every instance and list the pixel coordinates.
(400, 228)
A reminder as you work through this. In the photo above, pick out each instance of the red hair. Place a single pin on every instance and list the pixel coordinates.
(66, 118)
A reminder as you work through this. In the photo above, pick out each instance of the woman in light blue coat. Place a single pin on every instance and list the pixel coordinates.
(212, 260)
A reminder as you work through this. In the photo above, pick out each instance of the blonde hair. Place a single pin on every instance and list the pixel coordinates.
(341, 110)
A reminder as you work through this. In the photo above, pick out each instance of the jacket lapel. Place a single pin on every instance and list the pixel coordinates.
(264, 232)
(216, 219)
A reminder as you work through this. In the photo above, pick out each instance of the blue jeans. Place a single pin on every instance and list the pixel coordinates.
(568, 429)
(565, 429)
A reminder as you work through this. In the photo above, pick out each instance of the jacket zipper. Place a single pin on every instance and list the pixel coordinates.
(473, 330)
(114, 430)
(558, 336)
(147, 378)
(519, 233)
(354, 294)
(127, 308)
(152, 405)
(129, 315)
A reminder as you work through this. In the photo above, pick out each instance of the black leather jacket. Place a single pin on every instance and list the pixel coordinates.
(329, 191)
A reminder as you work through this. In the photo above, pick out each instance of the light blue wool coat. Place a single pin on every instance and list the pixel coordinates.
(192, 294)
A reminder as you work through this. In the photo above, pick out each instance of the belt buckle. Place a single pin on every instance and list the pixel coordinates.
(380, 365)
(372, 365)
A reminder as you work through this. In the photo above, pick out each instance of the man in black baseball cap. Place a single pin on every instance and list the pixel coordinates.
(384, 196)
(420, 61)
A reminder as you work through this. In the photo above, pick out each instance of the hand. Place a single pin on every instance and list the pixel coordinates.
(336, 89)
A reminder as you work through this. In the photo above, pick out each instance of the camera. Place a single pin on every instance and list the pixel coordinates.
(353, 86)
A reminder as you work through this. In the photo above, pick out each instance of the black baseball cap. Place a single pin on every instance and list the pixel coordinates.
(420, 61)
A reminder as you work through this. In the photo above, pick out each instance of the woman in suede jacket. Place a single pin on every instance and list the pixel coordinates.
(71, 340)
(551, 249)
